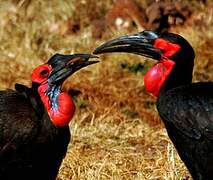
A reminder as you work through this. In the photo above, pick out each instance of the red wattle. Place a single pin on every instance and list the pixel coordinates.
(66, 108)
(65, 111)
(157, 75)
(45, 99)
(152, 79)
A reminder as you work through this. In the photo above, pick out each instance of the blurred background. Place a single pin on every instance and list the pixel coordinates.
(116, 132)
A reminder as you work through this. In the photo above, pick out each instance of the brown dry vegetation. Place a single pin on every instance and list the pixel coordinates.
(116, 131)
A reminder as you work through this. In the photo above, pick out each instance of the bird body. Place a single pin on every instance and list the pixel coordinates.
(27, 138)
(187, 112)
(186, 108)
(34, 122)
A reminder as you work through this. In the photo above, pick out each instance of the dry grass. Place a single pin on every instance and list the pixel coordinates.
(116, 131)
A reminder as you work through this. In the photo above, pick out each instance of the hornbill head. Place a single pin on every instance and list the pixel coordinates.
(48, 79)
(174, 54)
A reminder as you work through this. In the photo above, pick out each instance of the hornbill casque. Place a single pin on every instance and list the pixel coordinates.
(34, 131)
(186, 108)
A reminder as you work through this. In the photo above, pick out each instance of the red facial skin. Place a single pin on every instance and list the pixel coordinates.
(157, 75)
(66, 108)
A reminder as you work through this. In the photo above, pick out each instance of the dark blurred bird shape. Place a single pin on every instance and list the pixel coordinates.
(34, 131)
(186, 108)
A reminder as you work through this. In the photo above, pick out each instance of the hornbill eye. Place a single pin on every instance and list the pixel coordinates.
(44, 73)
(41, 73)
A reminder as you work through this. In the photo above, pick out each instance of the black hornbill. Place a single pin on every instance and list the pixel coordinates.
(34, 131)
(186, 108)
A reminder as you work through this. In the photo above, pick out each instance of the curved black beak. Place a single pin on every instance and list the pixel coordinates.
(65, 65)
(140, 44)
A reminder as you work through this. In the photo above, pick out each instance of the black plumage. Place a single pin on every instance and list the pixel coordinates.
(187, 112)
(31, 147)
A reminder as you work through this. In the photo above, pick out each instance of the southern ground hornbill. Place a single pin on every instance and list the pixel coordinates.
(186, 108)
(34, 131)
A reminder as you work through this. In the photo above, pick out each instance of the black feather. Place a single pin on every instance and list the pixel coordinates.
(31, 147)
(187, 112)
